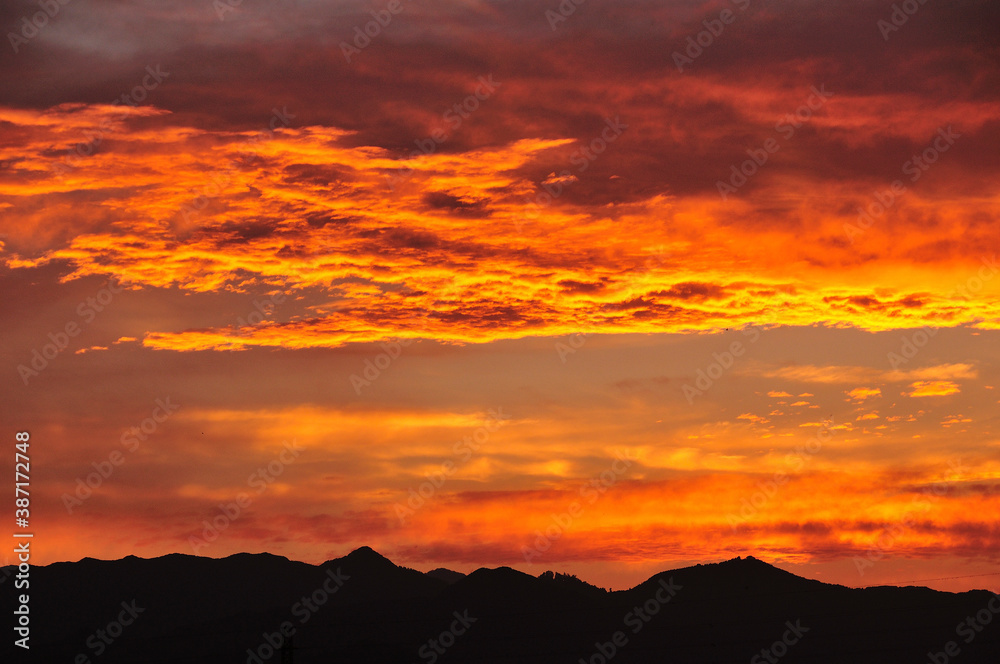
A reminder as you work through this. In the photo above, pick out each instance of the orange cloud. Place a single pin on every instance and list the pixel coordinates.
(302, 208)
(940, 372)
(934, 388)
(863, 393)
(510, 234)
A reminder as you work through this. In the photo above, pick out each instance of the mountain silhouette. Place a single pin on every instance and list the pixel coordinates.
(446, 575)
(364, 608)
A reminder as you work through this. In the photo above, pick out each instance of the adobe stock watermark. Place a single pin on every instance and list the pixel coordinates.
(899, 17)
(22, 581)
(262, 309)
(93, 139)
(101, 640)
(793, 634)
(636, 620)
(219, 181)
(569, 344)
(260, 480)
(796, 461)
(375, 367)
(440, 644)
(39, 20)
(223, 7)
(724, 361)
(463, 451)
(696, 44)
(363, 36)
(916, 341)
(457, 114)
(786, 128)
(968, 629)
(130, 440)
(591, 491)
(915, 167)
(304, 610)
(582, 158)
(886, 540)
(563, 11)
(87, 310)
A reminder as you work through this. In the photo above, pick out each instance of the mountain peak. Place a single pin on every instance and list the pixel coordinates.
(745, 563)
(446, 575)
(367, 556)
(365, 551)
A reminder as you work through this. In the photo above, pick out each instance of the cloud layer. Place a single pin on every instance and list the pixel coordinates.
(475, 206)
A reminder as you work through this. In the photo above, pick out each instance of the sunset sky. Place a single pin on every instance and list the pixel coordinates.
(617, 286)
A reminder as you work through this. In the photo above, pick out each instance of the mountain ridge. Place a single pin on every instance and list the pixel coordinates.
(362, 607)
(370, 555)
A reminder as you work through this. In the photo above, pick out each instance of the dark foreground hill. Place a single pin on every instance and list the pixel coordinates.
(363, 608)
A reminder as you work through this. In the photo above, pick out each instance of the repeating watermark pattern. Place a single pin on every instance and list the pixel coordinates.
(363, 36)
(591, 491)
(696, 44)
(261, 310)
(724, 361)
(968, 629)
(781, 646)
(259, 480)
(457, 114)
(39, 20)
(223, 7)
(130, 440)
(582, 158)
(786, 128)
(93, 139)
(915, 167)
(635, 620)
(381, 362)
(439, 645)
(221, 180)
(463, 451)
(914, 342)
(569, 344)
(795, 461)
(101, 640)
(304, 610)
(657, 257)
(87, 310)
(563, 11)
(900, 15)
(886, 540)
